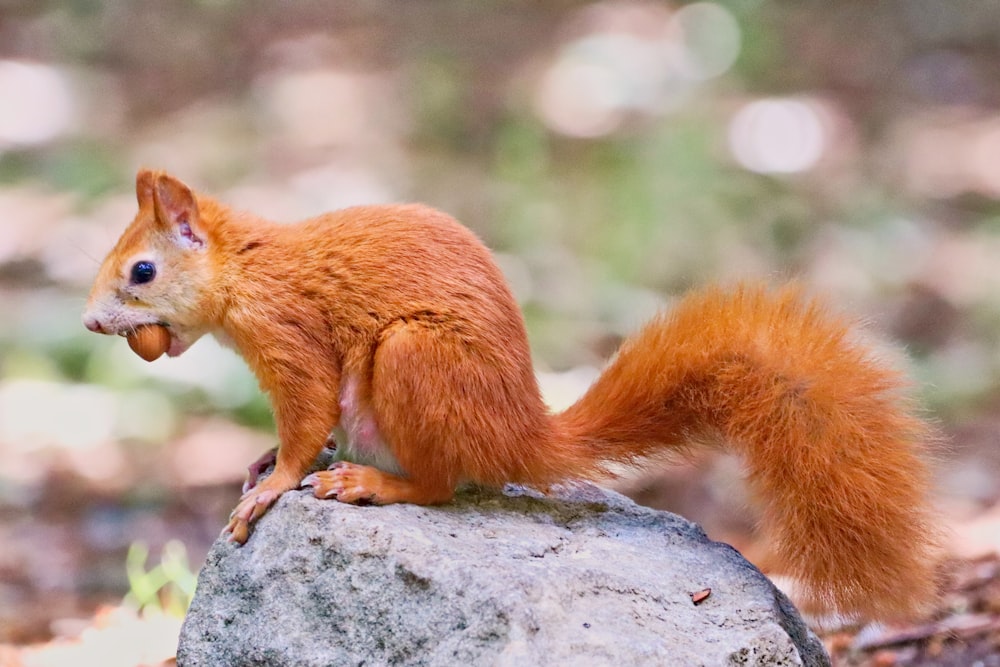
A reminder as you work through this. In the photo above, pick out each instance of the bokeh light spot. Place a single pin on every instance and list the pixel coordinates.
(777, 136)
(711, 40)
(36, 105)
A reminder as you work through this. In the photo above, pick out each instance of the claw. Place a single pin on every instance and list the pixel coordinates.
(237, 533)
(308, 480)
(252, 506)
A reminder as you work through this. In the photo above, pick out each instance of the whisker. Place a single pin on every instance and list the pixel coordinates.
(83, 251)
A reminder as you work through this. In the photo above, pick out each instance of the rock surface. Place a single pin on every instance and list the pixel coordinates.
(584, 577)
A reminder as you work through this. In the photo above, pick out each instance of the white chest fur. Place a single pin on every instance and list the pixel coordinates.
(357, 434)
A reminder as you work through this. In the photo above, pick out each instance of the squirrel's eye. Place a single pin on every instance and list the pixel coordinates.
(143, 272)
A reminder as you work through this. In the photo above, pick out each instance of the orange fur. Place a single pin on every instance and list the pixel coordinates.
(394, 323)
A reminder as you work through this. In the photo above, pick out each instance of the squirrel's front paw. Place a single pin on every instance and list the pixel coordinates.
(252, 506)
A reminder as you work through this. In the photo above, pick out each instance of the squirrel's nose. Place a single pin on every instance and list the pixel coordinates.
(92, 323)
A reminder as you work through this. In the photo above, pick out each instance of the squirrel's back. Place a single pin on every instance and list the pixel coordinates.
(390, 261)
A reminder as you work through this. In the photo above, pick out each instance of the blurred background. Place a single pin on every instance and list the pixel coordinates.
(613, 154)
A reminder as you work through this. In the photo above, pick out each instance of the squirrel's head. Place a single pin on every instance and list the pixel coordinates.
(160, 271)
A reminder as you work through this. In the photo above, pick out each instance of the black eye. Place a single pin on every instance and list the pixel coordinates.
(142, 272)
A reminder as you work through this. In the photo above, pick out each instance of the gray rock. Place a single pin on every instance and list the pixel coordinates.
(583, 577)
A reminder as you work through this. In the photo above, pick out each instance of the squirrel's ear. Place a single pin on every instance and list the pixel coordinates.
(144, 182)
(177, 209)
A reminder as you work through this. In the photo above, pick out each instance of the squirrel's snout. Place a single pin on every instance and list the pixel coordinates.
(92, 323)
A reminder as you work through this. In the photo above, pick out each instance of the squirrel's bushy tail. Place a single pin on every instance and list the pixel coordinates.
(833, 450)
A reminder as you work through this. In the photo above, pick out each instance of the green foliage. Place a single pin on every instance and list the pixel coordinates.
(165, 588)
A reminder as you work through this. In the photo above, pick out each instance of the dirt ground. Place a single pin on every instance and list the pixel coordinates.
(964, 631)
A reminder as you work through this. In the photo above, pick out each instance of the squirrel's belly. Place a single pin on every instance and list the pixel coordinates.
(357, 435)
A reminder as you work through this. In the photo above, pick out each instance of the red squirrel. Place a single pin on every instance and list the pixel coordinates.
(395, 325)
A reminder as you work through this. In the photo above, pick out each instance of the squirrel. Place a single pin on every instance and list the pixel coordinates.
(393, 324)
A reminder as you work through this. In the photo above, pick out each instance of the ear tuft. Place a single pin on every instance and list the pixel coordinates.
(176, 207)
(144, 182)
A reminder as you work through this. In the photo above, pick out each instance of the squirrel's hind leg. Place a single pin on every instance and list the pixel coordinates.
(450, 410)
(453, 409)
